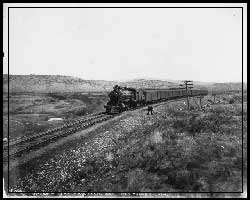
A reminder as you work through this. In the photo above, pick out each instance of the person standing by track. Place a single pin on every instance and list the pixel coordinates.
(150, 109)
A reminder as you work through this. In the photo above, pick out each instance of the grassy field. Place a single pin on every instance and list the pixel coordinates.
(174, 150)
(29, 112)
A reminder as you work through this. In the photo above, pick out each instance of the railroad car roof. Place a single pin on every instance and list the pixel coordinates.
(162, 88)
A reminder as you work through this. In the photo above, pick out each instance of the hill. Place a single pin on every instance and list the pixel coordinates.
(145, 83)
(228, 86)
(52, 83)
(58, 83)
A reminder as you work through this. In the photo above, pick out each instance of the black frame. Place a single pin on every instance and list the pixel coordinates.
(120, 192)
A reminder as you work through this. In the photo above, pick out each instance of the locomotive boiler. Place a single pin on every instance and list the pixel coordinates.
(121, 99)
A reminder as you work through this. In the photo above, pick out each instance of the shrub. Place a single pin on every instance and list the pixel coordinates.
(82, 97)
(181, 178)
(81, 111)
(51, 100)
(59, 106)
(57, 96)
(136, 180)
(231, 101)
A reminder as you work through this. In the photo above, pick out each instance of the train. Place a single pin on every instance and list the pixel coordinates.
(125, 98)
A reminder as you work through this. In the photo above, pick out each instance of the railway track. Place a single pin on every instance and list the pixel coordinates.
(67, 125)
(25, 144)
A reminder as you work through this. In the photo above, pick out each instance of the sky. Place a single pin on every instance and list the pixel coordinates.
(201, 44)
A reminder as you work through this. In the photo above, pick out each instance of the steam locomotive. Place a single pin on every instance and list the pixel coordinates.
(124, 98)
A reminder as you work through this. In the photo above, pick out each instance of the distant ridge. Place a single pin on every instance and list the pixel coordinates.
(59, 83)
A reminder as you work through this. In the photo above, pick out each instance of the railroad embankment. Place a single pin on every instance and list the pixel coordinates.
(173, 150)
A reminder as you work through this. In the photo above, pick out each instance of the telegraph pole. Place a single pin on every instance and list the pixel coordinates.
(200, 97)
(187, 85)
